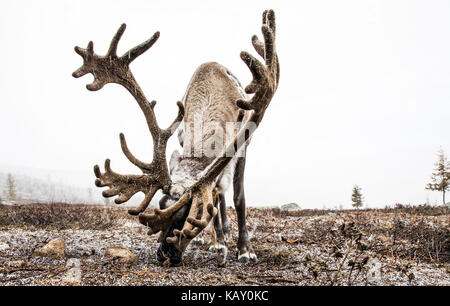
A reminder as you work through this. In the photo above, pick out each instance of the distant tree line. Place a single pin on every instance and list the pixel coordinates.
(15, 187)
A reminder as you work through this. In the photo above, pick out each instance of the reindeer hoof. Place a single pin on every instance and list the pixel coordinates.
(244, 258)
(247, 257)
(218, 247)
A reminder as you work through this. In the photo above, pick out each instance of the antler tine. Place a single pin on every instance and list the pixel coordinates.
(143, 166)
(269, 28)
(209, 211)
(112, 51)
(133, 53)
(144, 204)
(258, 45)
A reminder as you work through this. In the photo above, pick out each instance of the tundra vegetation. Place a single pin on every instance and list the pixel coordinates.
(401, 245)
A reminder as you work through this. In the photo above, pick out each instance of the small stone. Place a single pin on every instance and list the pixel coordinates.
(55, 248)
(122, 254)
(3, 246)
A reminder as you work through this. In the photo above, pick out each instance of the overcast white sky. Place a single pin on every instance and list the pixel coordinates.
(364, 95)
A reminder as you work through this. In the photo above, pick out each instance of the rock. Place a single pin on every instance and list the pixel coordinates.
(55, 248)
(3, 246)
(290, 206)
(122, 254)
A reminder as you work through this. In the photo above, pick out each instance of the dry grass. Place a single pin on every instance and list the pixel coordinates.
(60, 216)
(403, 231)
(410, 232)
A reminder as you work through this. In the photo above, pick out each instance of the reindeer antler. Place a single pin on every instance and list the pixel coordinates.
(264, 84)
(265, 77)
(113, 69)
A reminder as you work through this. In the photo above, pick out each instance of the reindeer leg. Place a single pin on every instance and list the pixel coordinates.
(245, 252)
(218, 244)
(223, 217)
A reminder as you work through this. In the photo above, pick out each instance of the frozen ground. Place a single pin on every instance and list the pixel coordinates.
(401, 246)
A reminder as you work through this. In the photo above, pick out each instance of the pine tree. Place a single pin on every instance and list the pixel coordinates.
(357, 198)
(440, 179)
(11, 188)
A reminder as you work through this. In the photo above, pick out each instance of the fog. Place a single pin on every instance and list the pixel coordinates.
(364, 95)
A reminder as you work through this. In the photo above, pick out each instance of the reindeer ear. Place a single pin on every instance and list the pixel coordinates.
(174, 160)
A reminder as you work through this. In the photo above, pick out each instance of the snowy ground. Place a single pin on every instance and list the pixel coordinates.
(293, 248)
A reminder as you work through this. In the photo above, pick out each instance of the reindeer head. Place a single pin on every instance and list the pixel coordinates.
(188, 189)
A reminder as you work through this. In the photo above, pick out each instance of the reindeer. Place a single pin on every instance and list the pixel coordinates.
(193, 186)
